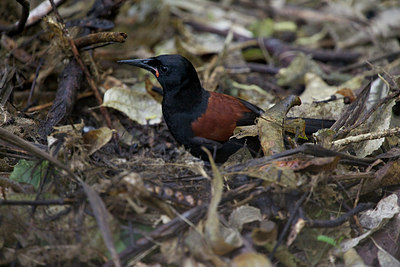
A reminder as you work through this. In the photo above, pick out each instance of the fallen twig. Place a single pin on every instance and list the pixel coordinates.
(40, 11)
(100, 37)
(288, 224)
(342, 219)
(19, 27)
(85, 70)
(367, 136)
(163, 232)
(42, 202)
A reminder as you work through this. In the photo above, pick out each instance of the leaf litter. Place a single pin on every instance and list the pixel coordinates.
(114, 188)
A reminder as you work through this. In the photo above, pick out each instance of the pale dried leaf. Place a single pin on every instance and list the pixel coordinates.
(351, 258)
(379, 120)
(387, 260)
(295, 73)
(138, 106)
(317, 90)
(374, 220)
(242, 215)
(222, 239)
(251, 259)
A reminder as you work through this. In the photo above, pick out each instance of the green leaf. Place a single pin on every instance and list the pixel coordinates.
(327, 239)
(267, 27)
(263, 28)
(30, 172)
(253, 54)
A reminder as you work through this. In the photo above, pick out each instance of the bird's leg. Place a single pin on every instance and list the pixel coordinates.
(211, 145)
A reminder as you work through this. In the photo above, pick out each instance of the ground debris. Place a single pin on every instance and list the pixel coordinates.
(83, 183)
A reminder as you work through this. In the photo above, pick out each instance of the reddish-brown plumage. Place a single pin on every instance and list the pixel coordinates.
(219, 121)
(198, 118)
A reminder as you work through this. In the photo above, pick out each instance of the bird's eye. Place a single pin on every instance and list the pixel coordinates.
(164, 69)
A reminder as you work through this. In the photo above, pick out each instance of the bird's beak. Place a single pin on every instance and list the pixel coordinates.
(141, 63)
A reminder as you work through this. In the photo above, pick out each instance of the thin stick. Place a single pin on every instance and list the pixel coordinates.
(61, 201)
(288, 224)
(341, 219)
(367, 136)
(19, 27)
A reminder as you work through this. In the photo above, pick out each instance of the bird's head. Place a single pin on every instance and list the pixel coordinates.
(173, 72)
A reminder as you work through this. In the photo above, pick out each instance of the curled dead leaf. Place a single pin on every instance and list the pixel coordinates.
(266, 233)
(270, 125)
(222, 239)
(96, 139)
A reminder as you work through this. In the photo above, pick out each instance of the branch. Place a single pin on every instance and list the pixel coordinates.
(342, 219)
(19, 27)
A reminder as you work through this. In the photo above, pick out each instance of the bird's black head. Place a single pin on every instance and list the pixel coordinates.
(173, 72)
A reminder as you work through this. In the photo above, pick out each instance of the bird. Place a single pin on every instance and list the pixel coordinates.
(196, 117)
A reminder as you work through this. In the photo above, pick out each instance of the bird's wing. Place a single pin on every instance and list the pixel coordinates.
(252, 107)
(222, 115)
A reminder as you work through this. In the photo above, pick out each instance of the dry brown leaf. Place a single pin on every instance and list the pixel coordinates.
(96, 139)
(221, 238)
(266, 233)
(313, 165)
(251, 259)
(270, 125)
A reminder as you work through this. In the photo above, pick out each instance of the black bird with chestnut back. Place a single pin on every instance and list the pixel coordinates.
(196, 117)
